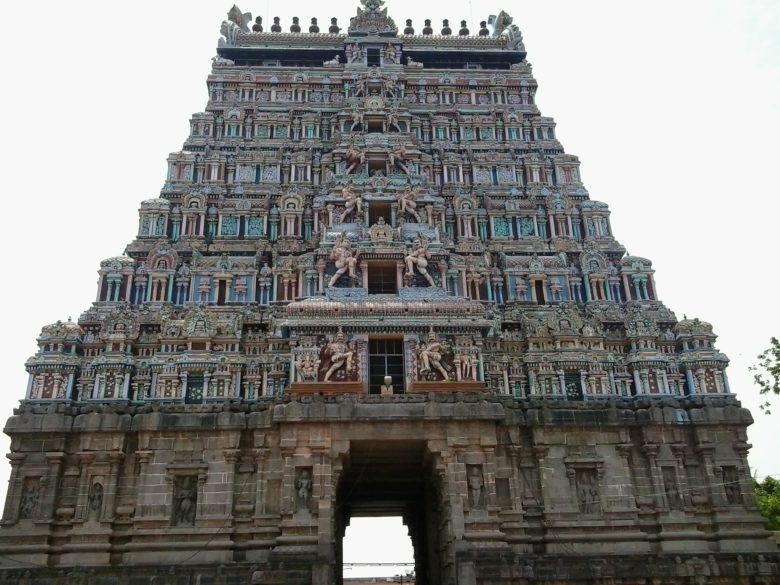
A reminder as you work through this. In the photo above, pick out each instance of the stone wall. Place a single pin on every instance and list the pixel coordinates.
(519, 486)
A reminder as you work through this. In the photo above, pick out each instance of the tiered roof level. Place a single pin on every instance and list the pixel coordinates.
(364, 183)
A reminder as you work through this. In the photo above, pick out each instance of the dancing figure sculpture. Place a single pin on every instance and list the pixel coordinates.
(418, 257)
(341, 355)
(430, 353)
(344, 258)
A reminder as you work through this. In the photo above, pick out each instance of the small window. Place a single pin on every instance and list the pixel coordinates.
(373, 58)
(374, 125)
(385, 358)
(377, 209)
(376, 165)
(382, 279)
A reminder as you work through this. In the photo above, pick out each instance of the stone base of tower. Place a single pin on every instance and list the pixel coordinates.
(494, 491)
(471, 568)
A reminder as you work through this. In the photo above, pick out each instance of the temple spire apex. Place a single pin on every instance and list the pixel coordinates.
(372, 5)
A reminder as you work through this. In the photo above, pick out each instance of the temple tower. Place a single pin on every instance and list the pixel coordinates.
(373, 282)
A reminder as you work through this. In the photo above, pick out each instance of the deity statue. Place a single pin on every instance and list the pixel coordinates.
(388, 86)
(419, 256)
(357, 119)
(352, 203)
(430, 353)
(185, 502)
(407, 203)
(354, 53)
(391, 54)
(392, 121)
(476, 485)
(354, 157)
(303, 490)
(307, 366)
(95, 501)
(372, 5)
(344, 258)
(340, 354)
(397, 155)
(360, 84)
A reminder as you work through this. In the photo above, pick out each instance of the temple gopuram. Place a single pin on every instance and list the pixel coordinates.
(374, 284)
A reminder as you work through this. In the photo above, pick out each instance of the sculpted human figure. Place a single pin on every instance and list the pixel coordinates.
(392, 121)
(357, 119)
(341, 355)
(354, 53)
(303, 489)
(388, 87)
(344, 258)
(95, 501)
(354, 156)
(307, 366)
(430, 353)
(468, 366)
(352, 203)
(391, 54)
(407, 203)
(397, 155)
(185, 504)
(418, 256)
(476, 483)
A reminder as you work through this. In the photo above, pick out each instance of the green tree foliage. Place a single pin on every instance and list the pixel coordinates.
(768, 496)
(766, 373)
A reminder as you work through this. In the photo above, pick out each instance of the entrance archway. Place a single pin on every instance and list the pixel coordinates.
(395, 478)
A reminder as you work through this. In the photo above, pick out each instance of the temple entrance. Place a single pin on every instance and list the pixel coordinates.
(392, 479)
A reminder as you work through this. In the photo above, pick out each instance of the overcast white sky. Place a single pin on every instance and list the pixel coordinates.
(673, 108)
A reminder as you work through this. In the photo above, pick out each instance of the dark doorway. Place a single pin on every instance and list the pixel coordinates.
(395, 478)
(221, 292)
(373, 57)
(385, 358)
(539, 289)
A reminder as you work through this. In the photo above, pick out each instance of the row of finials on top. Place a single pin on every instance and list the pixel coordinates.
(335, 29)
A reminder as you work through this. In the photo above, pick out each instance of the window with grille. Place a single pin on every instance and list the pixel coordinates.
(382, 279)
(385, 358)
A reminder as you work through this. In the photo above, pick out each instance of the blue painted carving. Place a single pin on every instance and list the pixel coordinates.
(230, 226)
(526, 226)
(501, 227)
